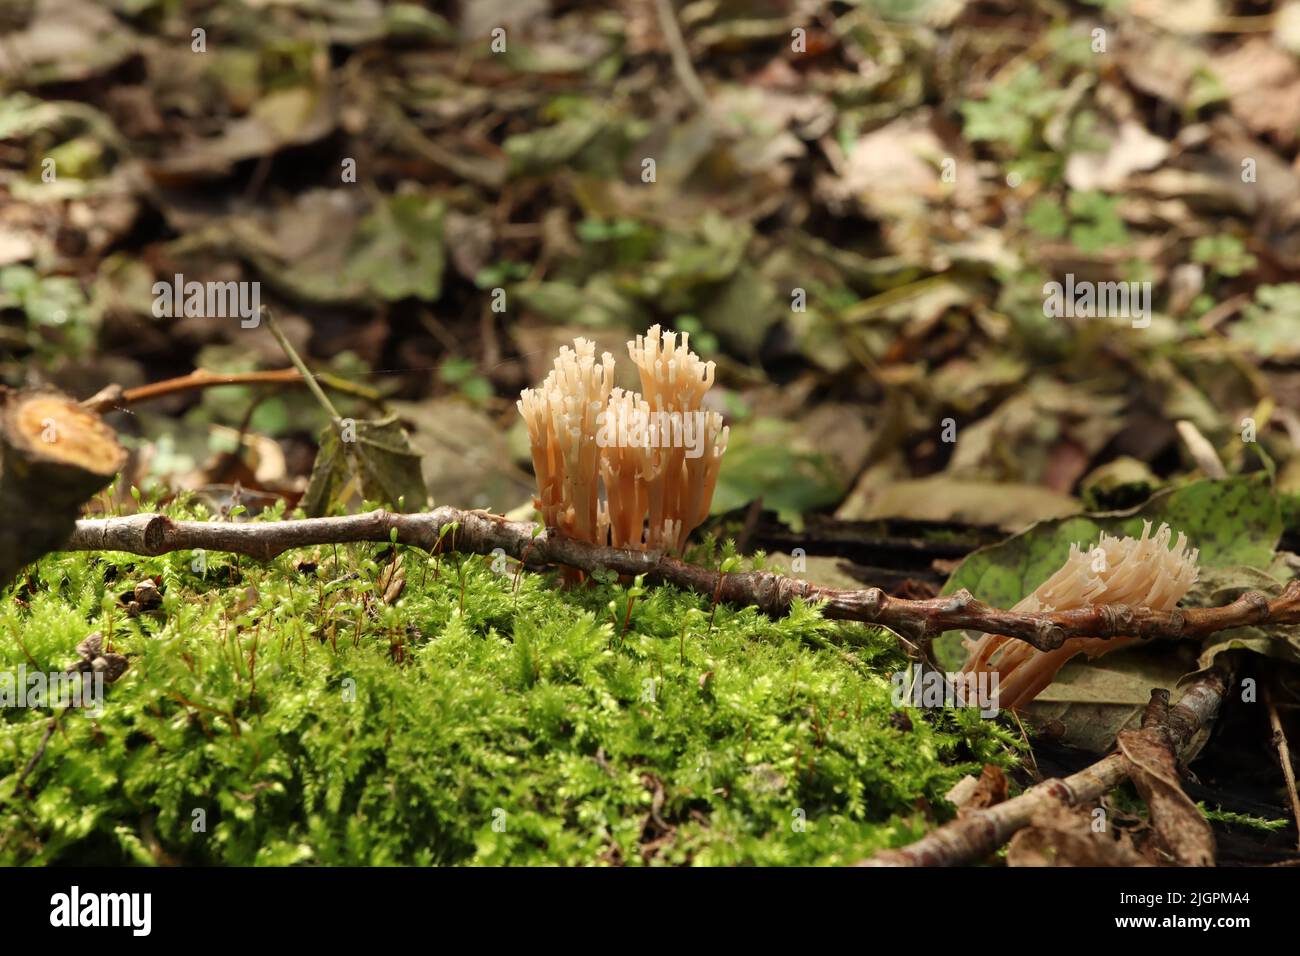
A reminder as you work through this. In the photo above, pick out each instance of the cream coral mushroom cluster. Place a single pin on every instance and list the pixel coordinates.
(1135, 571)
(622, 468)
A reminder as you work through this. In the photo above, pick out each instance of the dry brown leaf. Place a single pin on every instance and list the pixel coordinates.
(392, 580)
(1059, 835)
(979, 793)
(1263, 84)
(1180, 829)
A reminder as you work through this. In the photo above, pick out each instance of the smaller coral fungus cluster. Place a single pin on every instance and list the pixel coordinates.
(1141, 571)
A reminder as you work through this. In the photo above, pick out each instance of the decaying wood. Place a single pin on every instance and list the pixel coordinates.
(974, 835)
(54, 455)
(478, 532)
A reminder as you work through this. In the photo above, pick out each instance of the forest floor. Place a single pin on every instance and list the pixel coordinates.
(856, 209)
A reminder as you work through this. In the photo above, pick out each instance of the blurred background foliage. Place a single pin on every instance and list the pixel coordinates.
(856, 222)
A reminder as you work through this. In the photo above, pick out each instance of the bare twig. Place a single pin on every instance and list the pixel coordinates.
(1284, 755)
(479, 532)
(116, 397)
(681, 56)
(1223, 311)
(51, 726)
(976, 834)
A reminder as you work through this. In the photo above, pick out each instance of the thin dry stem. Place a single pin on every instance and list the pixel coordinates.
(115, 396)
(1284, 757)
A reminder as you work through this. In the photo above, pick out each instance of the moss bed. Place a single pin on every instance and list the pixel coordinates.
(285, 713)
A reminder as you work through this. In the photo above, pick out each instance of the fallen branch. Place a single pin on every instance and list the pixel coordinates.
(974, 835)
(479, 532)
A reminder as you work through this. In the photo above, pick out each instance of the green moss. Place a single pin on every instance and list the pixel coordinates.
(1220, 815)
(310, 722)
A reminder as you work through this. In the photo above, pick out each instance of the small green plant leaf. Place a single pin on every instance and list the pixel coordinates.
(381, 458)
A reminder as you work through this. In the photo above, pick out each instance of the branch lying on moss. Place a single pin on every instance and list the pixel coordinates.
(479, 532)
(974, 835)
